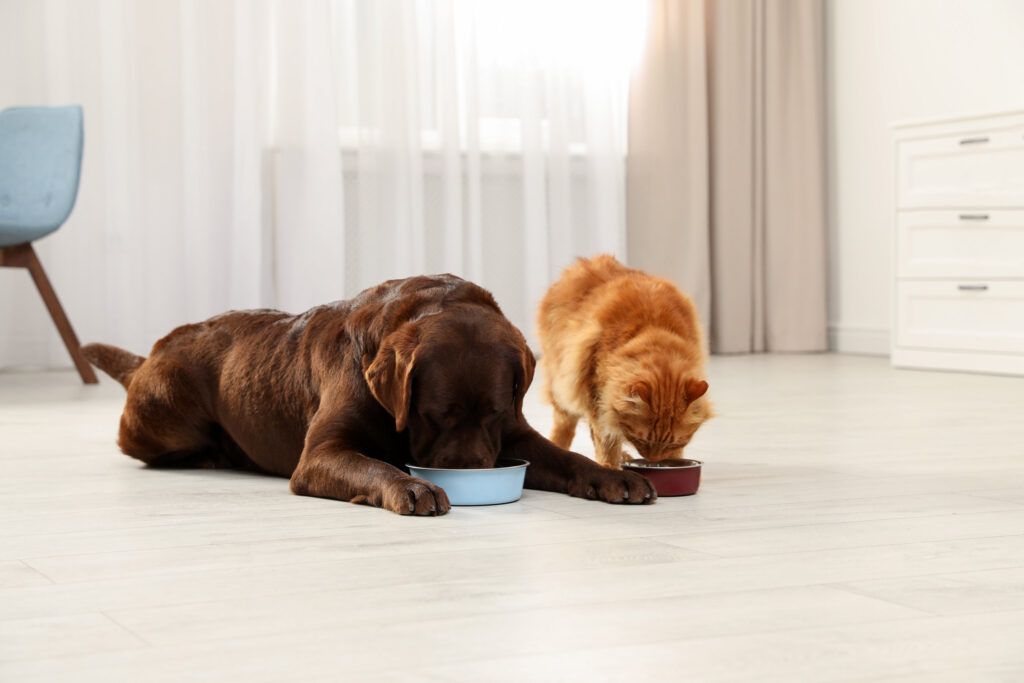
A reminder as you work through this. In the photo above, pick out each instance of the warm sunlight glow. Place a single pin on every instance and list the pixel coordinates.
(596, 38)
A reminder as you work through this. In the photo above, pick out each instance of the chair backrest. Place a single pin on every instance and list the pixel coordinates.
(40, 160)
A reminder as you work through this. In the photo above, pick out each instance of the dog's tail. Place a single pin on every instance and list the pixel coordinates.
(117, 363)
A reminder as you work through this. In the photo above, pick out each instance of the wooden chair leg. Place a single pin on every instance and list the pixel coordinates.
(24, 255)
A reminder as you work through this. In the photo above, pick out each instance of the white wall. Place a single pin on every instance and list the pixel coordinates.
(888, 61)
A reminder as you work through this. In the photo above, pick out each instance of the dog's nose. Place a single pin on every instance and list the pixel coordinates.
(468, 461)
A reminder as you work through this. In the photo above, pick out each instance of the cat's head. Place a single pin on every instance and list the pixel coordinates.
(659, 412)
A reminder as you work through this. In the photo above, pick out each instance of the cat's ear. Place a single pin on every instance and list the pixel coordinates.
(695, 388)
(641, 390)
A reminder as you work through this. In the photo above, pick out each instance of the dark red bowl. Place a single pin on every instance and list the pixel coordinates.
(670, 477)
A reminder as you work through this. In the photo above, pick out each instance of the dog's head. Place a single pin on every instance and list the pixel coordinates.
(456, 381)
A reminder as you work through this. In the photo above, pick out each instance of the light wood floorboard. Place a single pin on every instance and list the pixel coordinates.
(855, 523)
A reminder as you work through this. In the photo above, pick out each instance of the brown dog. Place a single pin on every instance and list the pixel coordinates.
(424, 370)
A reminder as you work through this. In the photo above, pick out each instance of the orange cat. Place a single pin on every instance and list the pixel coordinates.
(624, 350)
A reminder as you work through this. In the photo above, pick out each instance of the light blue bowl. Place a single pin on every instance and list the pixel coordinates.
(501, 484)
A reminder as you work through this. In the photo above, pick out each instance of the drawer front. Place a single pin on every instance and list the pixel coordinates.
(967, 315)
(970, 244)
(971, 170)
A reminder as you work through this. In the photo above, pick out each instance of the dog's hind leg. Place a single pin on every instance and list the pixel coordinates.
(165, 422)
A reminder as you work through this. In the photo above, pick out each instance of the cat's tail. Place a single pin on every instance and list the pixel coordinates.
(117, 363)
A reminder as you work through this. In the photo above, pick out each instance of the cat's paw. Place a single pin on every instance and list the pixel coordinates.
(612, 486)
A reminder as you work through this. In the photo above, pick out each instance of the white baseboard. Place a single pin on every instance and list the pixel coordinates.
(961, 361)
(869, 341)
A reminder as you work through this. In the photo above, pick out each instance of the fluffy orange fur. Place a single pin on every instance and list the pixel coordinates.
(624, 351)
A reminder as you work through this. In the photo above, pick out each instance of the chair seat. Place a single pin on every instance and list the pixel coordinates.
(40, 158)
(15, 234)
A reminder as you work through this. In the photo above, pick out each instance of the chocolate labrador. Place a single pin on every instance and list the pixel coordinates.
(424, 370)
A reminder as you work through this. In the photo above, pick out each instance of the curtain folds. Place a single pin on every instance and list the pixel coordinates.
(668, 179)
(283, 153)
(726, 184)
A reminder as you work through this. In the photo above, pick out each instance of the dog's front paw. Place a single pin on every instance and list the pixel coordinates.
(412, 496)
(612, 486)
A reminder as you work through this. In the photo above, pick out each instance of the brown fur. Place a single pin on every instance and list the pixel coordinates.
(340, 398)
(624, 350)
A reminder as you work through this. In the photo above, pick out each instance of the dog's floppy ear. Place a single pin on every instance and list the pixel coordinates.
(523, 374)
(389, 373)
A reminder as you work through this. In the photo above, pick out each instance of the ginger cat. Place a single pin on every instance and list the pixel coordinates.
(624, 350)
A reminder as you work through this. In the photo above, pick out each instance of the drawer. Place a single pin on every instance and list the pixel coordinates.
(970, 170)
(970, 244)
(966, 315)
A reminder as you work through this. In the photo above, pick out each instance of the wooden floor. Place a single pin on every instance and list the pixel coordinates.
(855, 522)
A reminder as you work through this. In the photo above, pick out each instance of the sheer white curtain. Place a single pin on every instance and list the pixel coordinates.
(286, 153)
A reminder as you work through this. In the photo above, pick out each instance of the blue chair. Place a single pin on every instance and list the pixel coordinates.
(40, 159)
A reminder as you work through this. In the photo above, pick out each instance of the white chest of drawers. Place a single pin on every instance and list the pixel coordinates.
(958, 299)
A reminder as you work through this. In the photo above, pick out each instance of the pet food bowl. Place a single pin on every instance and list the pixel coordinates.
(502, 483)
(670, 477)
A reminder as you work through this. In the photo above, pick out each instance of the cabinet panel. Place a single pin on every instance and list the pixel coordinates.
(970, 170)
(951, 244)
(968, 315)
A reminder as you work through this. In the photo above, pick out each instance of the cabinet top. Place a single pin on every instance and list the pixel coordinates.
(953, 124)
